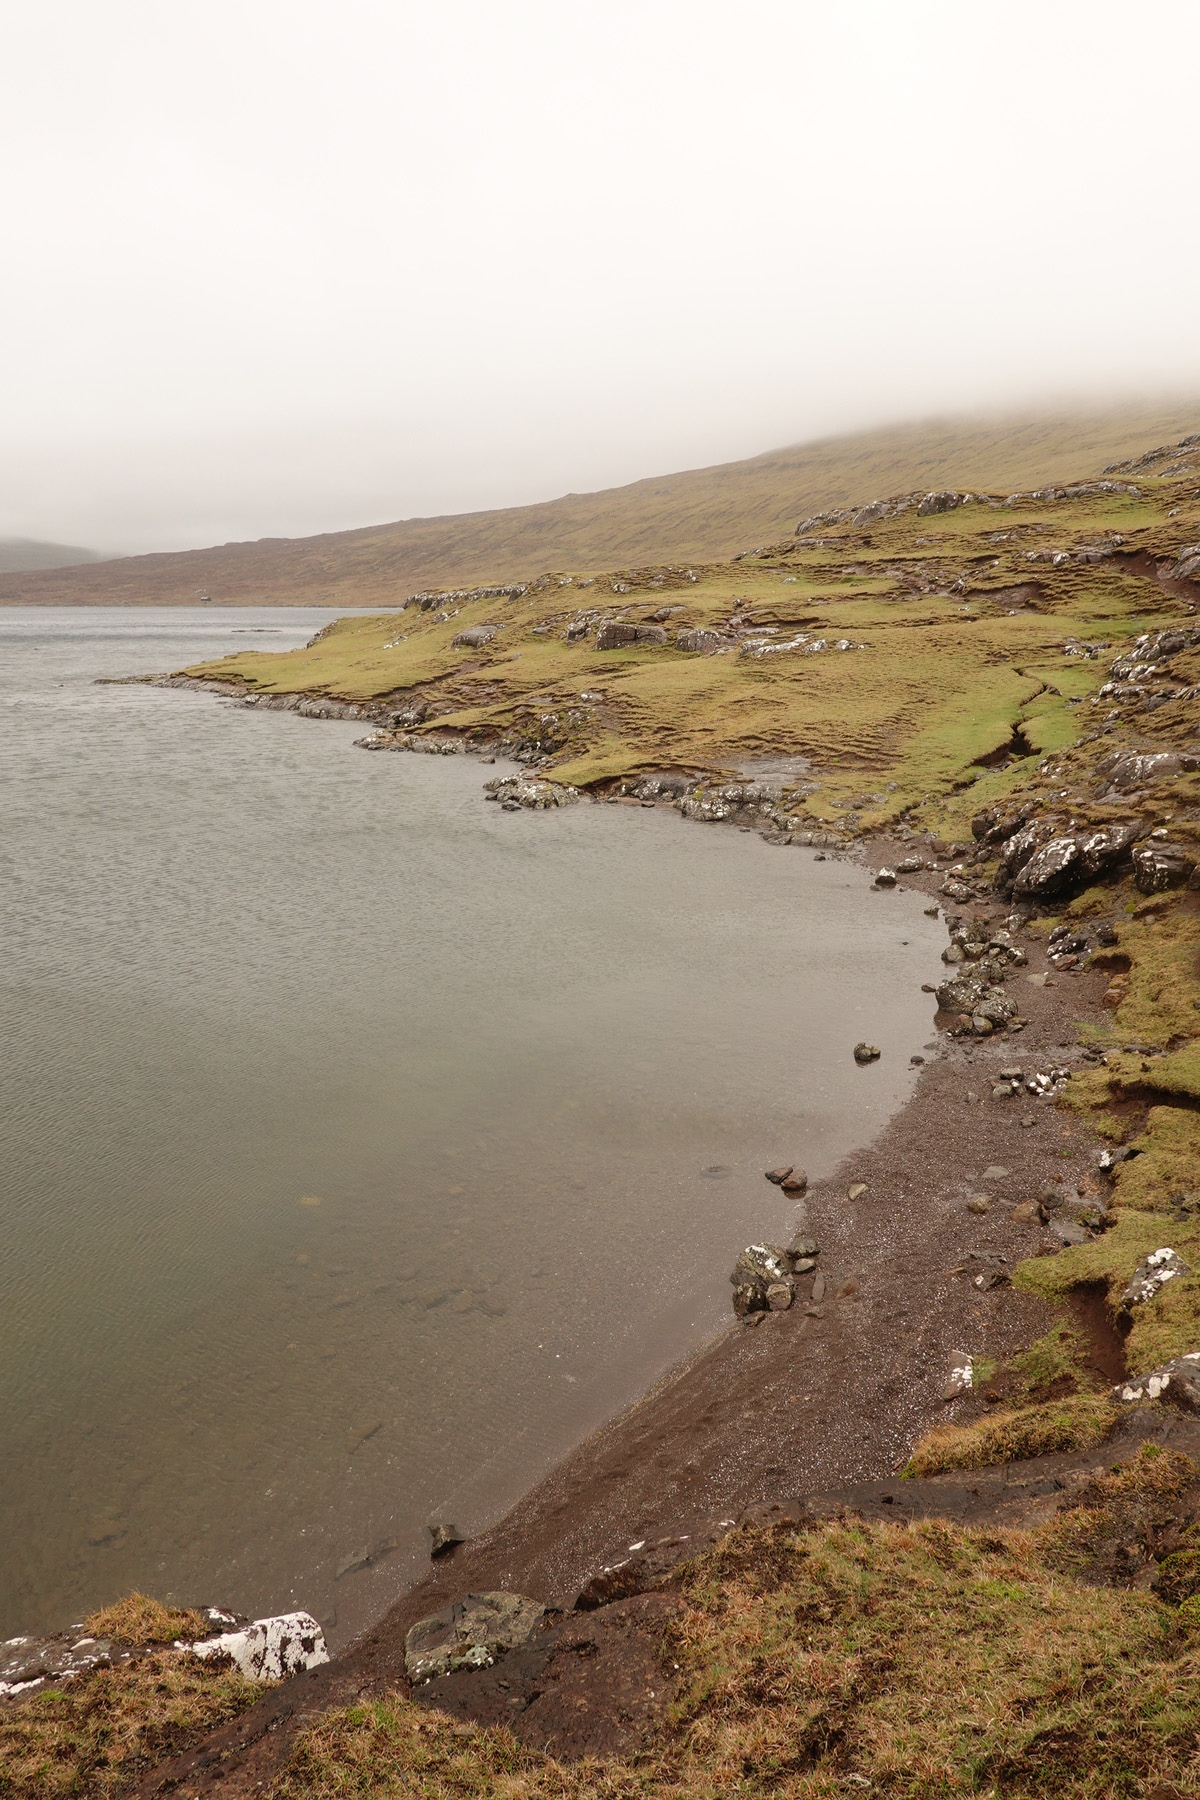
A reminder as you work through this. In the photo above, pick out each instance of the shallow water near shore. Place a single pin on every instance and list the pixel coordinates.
(362, 1147)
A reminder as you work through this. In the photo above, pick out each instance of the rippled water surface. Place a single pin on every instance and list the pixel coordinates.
(352, 1131)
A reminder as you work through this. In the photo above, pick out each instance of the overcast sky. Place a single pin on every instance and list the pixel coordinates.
(280, 266)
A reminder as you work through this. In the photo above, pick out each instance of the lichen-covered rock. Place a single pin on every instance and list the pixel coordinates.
(522, 790)
(475, 637)
(1176, 1383)
(1152, 1275)
(971, 993)
(1050, 869)
(1158, 866)
(697, 640)
(270, 1649)
(472, 1634)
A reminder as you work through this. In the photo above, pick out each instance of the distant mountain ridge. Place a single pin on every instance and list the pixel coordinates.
(18, 555)
(696, 515)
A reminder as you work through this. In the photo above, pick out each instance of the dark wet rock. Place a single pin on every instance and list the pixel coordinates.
(866, 1053)
(759, 1268)
(1086, 1210)
(444, 1537)
(350, 1565)
(475, 637)
(802, 1247)
(472, 1634)
(794, 1183)
(1176, 1383)
(885, 878)
(26, 1662)
(1152, 1275)
(1050, 869)
(779, 1176)
(910, 865)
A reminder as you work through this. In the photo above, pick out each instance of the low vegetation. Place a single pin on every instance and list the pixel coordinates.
(1077, 1422)
(905, 1661)
(91, 1737)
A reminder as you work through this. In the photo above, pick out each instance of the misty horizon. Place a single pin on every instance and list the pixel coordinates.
(283, 272)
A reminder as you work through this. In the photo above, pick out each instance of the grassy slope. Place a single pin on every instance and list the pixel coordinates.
(697, 513)
(854, 1657)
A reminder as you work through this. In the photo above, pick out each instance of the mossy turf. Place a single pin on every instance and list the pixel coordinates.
(94, 1736)
(1078, 1422)
(908, 1661)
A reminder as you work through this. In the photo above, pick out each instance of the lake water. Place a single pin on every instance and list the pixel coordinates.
(353, 1131)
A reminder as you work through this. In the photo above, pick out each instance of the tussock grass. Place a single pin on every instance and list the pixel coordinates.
(137, 1619)
(1076, 1422)
(91, 1737)
(922, 1661)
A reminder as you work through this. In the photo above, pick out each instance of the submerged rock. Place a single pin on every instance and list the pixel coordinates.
(866, 1053)
(444, 1537)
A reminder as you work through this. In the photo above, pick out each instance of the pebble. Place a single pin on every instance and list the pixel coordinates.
(795, 1183)
(778, 1176)
(1028, 1124)
(916, 1059)
(1002, 1091)
(779, 1296)
(855, 1189)
(818, 1289)
(865, 1053)
(995, 1173)
(979, 1203)
(443, 1537)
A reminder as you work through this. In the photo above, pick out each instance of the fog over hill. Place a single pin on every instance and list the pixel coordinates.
(696, 514)
(18, 555)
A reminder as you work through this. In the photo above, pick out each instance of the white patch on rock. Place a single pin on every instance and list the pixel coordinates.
(271, 1649)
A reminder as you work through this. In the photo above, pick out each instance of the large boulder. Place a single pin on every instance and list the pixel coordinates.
(1158, 865)
(271, 1649)
(1050, 869)
(475, 637)
(472, 1634)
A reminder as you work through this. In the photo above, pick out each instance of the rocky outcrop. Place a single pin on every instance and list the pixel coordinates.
(619, 634)
(1159, 864)
(472, 1634)
(697, 640)
(515, 791)
(475, 637)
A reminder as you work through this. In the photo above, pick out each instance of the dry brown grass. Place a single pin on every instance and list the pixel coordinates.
(93, 1736)
(139, 1620)
(920, 1662)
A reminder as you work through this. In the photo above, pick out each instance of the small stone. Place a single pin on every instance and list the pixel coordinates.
(916, 1059)
(885, 878)
(778, 1176)
(980, 1026)
(1026, 1214)
(443, 1537)
(1002, 1091)
(931, 912)
(349, 1565)
(779, 1296)
(818, 1289)
(979, 1203)
(1028, 1124)
(804, 1246)
(105, 1531)
(927, 987)
(995, 1173)
(814, 1312)
(855, 1190)
(865, 1053)
(803, 1265)
(795, 1183)
(847, 1290)
(960, 1379)
(754, 1318)
(972, 1097)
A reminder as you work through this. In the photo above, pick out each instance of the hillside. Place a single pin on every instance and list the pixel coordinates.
(21, 555)
(698, 513)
